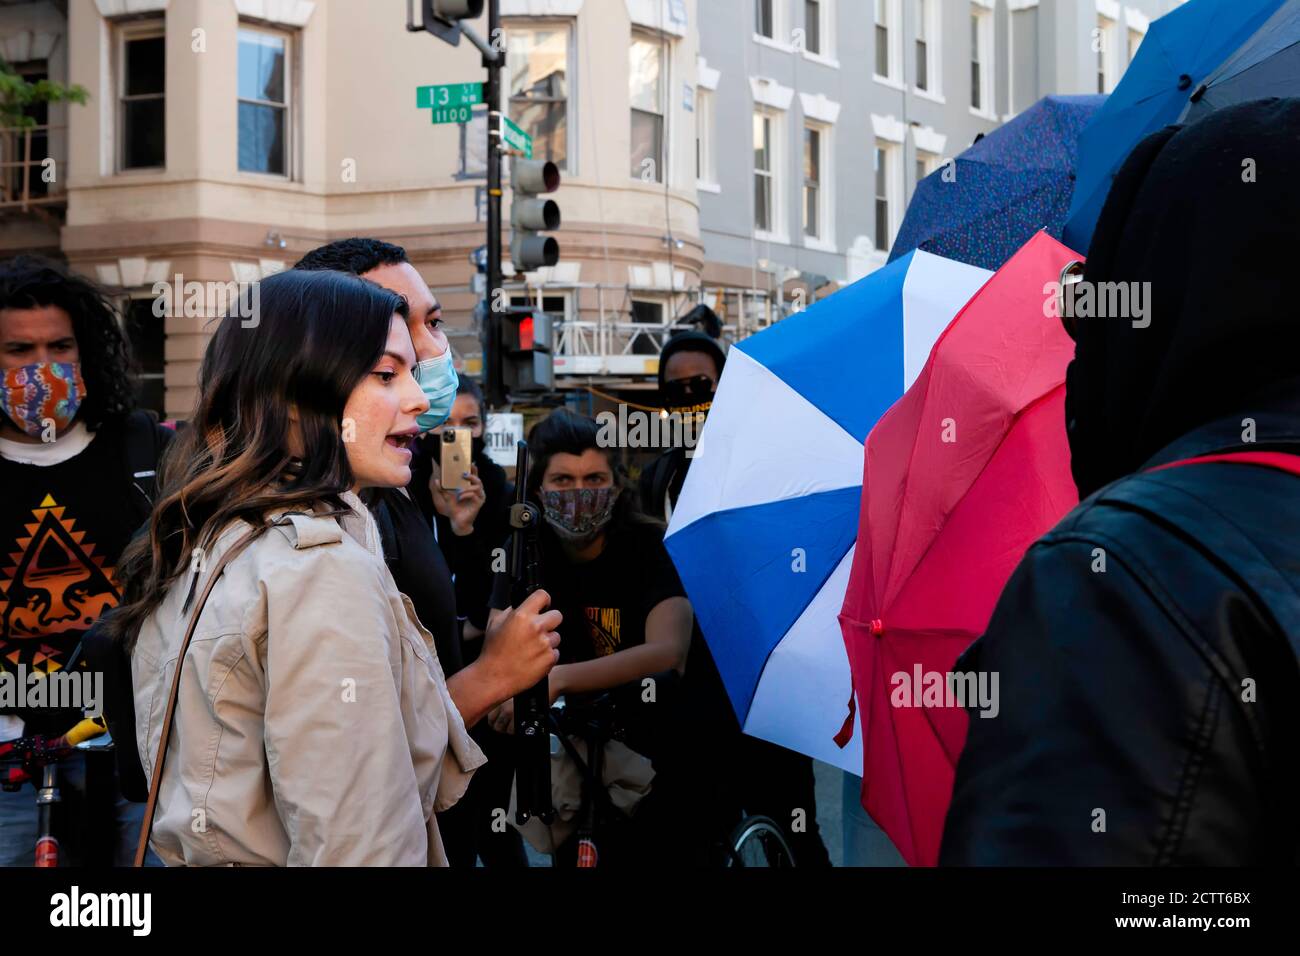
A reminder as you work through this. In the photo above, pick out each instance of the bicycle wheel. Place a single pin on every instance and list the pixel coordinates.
(756, 842)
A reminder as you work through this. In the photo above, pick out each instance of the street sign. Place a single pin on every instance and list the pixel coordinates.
(452, 114)
(515, 138)
(448, 95)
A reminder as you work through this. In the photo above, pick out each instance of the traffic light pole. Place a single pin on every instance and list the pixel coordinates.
(492, 377)
(445, 19)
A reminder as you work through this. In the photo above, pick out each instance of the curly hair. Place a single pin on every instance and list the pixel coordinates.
(31, 282)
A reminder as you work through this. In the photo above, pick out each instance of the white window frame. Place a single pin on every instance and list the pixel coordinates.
(664, 45)
(778, 230)
(572, 142)
(1136, 23)
(983, 10)
(781, 29)
(933, 51)
(291, 132)
(827, 56)
(926, 161)
(889, 135)
(892, 153)
(705, 137)
(824, 240)
(1014, 7)
(1106, 35)
(121, 34)
(894, 79)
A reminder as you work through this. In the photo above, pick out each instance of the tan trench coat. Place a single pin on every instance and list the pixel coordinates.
(313, 726)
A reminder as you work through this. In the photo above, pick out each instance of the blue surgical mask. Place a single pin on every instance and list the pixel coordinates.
(437, 376)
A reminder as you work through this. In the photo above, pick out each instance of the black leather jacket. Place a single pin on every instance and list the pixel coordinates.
(1149, 713)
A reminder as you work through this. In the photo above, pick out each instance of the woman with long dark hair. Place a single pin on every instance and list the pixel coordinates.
(313, 723)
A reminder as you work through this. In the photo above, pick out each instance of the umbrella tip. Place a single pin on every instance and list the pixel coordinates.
(877, 627)
(1184, 81)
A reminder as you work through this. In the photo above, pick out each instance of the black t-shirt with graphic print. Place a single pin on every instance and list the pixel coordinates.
(62, 530)
(605, 601)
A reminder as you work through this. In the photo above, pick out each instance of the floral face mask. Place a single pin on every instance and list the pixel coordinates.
(33, 396)
(578, 514)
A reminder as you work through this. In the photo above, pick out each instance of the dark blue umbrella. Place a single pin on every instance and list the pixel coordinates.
(1012, 183)
(1181, 49)
(1268, 65)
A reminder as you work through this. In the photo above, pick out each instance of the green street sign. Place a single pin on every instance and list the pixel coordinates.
(515, 138)
(448, 95)
(453, 114)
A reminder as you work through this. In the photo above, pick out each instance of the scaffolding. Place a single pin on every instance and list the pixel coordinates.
(602, 344)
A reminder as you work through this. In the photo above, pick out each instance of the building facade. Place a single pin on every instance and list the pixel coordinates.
(751, 154)
(835, 109)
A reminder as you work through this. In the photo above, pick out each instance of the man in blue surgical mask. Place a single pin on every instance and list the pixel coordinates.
(410, 547)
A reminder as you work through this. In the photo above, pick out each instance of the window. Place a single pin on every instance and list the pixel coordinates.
(538, 61)
(1022, 69)
(922, 45)
(1103, 43)
(646, 84)
(882, 168)
(883, 65)
(812, 26)
(556, 305)
(263, 102)
(926, 163)
(981, 60)
(705, 168)
(647, 313)
(764, 24)
(764, 209)
(142, 85)
(813, 194)
(39, 113)
(148, 337)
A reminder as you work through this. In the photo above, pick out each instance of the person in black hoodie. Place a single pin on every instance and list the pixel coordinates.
(1147, 646)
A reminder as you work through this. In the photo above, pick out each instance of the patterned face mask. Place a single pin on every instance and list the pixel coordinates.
(45, 392)
(579, 514)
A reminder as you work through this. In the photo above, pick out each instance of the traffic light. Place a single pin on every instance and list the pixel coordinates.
(442, 17)
(530, 215)
(527, 364)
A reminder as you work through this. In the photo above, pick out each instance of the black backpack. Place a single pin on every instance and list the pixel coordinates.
(143, 443)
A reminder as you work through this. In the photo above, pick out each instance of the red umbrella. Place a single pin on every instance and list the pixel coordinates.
(962, 474)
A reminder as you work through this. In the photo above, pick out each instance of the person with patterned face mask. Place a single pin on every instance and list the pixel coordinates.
(77, 466)
(626, 615)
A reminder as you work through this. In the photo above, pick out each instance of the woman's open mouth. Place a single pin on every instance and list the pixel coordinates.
(402, 442)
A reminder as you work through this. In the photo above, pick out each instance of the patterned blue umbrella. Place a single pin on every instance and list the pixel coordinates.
(1004, 189)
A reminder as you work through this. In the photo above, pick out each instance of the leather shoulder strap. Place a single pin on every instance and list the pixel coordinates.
(156, 777)
(1282, 461)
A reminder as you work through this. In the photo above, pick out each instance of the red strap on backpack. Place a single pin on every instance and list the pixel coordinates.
(1281, 461)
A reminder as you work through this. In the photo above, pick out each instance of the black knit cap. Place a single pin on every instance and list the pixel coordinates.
(691, 342)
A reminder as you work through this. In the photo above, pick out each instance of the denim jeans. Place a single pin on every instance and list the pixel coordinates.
(865, 844)
(19, 821)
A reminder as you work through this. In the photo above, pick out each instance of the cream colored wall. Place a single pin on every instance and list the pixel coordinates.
(356, 73)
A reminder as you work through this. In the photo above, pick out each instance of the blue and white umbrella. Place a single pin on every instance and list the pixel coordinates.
(765, 527)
